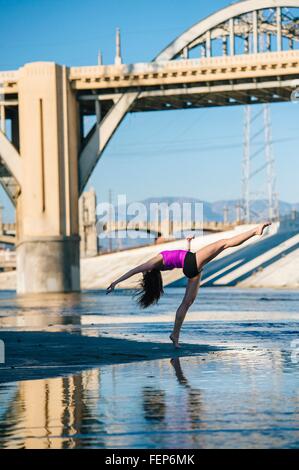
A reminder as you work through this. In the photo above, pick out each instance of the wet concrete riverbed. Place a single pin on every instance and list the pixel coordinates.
(107, 377)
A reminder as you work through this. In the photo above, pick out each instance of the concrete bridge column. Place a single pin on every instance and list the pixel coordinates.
(47, 208)
(1, 221)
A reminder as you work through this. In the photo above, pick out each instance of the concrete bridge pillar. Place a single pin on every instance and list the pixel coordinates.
(47, 208)
(1, 221)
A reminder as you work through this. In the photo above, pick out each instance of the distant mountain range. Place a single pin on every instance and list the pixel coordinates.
(214, 211)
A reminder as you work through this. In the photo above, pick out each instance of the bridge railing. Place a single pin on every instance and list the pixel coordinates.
(83, 77)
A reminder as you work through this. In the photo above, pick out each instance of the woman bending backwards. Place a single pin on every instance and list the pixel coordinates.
(151, 287)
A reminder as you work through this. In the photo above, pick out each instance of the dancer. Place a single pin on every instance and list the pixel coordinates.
(151, 286)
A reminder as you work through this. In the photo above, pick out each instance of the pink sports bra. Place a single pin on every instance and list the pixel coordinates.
(173, 258)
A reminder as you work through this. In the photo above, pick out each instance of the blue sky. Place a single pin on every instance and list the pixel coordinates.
(195, 153)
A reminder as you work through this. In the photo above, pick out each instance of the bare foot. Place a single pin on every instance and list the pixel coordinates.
(175, 341)
(261, 227)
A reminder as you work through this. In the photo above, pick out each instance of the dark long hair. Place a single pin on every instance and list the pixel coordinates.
(150, 288)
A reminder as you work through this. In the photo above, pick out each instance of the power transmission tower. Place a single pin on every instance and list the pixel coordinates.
(263, 119)
(249, 182)
(271, 178)
(246, 166)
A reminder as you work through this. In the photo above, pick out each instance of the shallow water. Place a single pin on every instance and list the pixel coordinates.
(246, 396)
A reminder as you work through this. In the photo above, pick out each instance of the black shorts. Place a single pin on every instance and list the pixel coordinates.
(190, 266)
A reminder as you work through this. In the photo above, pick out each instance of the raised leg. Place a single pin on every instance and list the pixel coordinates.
(209, 252)
(189, 297)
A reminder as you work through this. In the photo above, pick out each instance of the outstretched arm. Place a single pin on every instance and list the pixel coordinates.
(148, 266)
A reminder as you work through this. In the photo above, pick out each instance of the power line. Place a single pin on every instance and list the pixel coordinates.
(165, 151)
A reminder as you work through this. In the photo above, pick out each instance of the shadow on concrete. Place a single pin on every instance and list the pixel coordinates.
(36, 355)
(242, 256)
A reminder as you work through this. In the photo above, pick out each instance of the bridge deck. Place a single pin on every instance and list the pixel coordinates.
(185, 71)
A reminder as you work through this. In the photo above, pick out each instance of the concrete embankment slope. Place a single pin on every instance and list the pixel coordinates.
(268, 261)
(98, 272)
(284, 272)
(272, 262)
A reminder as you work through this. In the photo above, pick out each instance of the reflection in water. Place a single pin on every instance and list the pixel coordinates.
(194, 404)
(47, 413)
(227, 400)
(245, 396)
(168, 412)
(57, 311)
(154, 404)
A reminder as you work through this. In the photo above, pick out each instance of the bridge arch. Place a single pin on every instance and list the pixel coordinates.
(147, 230)
(219, 23)
(10, 168)
(191, 35)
